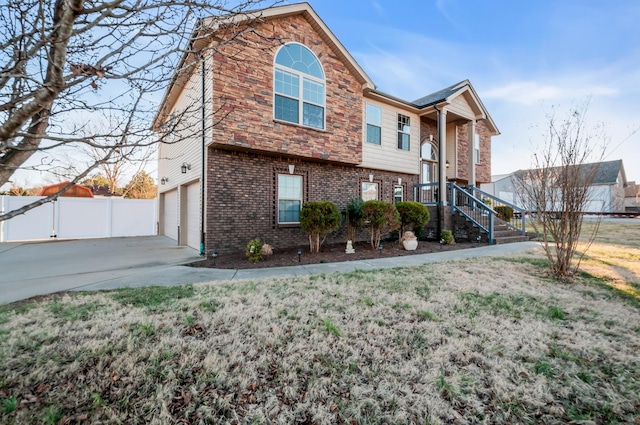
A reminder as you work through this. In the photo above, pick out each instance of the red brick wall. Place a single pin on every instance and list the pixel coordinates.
(243, 89)
(483, 169)
(242, 194)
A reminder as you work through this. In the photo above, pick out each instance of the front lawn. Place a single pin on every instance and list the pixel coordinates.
(475, 341)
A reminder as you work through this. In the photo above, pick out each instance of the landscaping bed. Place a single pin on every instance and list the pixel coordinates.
(328, 254)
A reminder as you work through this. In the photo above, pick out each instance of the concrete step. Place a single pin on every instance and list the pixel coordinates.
(511, 239)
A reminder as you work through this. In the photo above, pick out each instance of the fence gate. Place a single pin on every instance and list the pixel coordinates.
(78, 218)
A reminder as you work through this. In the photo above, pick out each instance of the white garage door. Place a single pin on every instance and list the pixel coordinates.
(193, 215)
(170, 215)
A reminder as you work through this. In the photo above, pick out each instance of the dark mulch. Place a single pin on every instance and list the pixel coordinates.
(328, 254)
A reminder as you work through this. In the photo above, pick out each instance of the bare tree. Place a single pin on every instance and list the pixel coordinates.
(66, 63)
(557, 189)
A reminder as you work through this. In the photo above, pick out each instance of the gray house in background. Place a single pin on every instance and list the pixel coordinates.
(607, 193)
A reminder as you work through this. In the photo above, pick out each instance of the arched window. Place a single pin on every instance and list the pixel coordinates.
(299, 87)
(429, 157)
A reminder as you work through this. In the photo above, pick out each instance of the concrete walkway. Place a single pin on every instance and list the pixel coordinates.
(31, 269)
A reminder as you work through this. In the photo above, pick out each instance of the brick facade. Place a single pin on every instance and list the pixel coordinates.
(248, 148)
(243, 92)
(483, 169)
(242, 196)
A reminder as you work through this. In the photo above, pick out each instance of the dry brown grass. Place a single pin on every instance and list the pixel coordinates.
(476, 341)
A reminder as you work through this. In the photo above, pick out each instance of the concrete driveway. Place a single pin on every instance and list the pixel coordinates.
(36, 268)
(39, 268)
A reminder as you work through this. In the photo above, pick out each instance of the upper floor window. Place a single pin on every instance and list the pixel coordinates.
(404, 130)
(374, 124)
(476, 148)
(299, 87)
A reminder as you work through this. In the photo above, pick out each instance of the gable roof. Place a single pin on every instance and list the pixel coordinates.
(75, 191)
(606, 174)
(200, 39)
(446, 95)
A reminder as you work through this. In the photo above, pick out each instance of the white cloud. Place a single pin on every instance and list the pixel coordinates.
(531, 92)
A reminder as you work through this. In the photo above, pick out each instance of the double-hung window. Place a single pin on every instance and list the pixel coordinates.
(369, 191)
(404, 132)
(476, 148)
(398, 194)
(289, 198)
(299, 87)
(374, 124)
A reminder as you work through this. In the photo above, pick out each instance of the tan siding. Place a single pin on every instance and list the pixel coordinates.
(460, 107)
(387, 156)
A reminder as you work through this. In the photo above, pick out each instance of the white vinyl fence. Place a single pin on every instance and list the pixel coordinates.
(78, 218)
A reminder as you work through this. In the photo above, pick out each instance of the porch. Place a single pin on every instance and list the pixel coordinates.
(472, 214)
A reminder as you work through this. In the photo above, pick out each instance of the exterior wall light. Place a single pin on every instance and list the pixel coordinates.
(185, 167)
(164, 180)
(447, 164)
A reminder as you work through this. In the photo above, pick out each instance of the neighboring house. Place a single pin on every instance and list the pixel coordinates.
(606, 194)
(75, 191)
(632, 197)
(301, 121)
(103, 192)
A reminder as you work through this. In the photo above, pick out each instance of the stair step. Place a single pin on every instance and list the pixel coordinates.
(511, 239)
(505, 233)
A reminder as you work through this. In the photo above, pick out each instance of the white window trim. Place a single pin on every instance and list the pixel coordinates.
(398, 186)
(377, 186)
(289, 199)
(301, 77)
(408, 133)
(476, 148)
(368, 123)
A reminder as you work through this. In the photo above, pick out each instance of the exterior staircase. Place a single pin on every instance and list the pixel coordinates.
(505, 234)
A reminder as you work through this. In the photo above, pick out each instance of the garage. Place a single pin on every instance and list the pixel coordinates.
(193, 215)
(170, 214)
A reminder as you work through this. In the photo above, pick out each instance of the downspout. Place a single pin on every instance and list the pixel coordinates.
(203, 171)
(439, 203)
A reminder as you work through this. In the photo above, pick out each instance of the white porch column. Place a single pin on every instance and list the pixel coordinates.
(472, 153)
(442, 160)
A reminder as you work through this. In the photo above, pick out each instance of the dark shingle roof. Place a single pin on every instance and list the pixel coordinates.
(439, 96)
(607, 173)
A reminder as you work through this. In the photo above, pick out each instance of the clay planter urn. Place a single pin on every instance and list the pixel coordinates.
(409, 241)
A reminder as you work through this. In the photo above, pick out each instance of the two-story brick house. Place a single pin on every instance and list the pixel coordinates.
(296, 122)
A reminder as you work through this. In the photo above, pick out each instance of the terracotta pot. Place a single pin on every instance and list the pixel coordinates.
(410, 244)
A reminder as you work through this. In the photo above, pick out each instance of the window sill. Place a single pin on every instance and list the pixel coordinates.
(288, 225)
(321, 130)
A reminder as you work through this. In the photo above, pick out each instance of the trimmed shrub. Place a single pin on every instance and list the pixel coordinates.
(354, 217)
(318, 219)
(504, 212)
(379, 217)
(447, 237)
(254, 250)
(412, 212)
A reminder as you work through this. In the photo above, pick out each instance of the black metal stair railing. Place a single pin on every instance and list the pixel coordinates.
(517, 222)
(474, 209)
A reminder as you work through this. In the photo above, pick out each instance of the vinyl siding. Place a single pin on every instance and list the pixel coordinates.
(461, 107)
(387, 156)
(187, 146)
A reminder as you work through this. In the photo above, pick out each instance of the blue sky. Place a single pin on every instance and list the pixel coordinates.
(523, 57)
